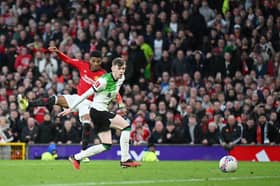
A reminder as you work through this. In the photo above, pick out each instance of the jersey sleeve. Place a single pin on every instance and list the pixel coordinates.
(74, 62)
(99, 84)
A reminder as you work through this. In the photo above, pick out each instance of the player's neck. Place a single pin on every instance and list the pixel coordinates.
(113, 76)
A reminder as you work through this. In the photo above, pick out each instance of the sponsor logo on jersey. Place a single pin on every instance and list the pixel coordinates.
(96, 84)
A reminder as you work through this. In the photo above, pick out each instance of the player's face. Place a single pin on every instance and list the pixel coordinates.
(95, 63)
(118, 71)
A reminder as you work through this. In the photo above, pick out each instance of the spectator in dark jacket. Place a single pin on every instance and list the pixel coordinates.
(172, 134)
(274, 121)
(250, 132)
(180, 65)
(30, 132)
(69, 134)
(163, 65)
(227, 67)
(137, 60)
(231, 134)
(212, 136)
(58, 130)
(264, 130)
(46, 130)
(192, 131)
(198, 27)
(198, 62)
(158, 133)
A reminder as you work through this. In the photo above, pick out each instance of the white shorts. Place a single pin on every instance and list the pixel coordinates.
(83, 108)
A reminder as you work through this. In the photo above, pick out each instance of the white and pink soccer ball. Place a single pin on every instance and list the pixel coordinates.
(228, 164)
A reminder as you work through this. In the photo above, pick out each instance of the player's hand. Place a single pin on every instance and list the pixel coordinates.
(65, 112)
(122, 109)
(53, 49)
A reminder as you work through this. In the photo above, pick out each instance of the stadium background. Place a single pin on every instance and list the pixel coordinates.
(196, 59)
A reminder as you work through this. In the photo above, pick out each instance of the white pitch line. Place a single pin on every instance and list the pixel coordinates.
(160, 181)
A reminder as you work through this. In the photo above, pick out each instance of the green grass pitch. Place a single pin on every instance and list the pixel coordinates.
(164, 173)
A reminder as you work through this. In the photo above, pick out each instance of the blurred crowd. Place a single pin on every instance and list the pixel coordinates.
(198, 71)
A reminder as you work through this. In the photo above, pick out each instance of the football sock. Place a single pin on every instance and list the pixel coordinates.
(85, 135)
(96, 149)
(124, 143)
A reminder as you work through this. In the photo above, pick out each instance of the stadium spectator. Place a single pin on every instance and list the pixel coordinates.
(274, 121)
(22, 61)
(212, 135)
(231, 134)
(30, 132)
(173, 134)
(48, 65)
(157, 133)
(69, 134)
(5, 136)
(250, 132)
(192, 130)
(140, 134)
(180, 65)
(46, 130)
(264, 131)
(5, 131)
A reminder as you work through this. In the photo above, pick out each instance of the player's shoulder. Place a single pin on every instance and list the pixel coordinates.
(102, 71)
(107, 76)
(82, 64)
(103, 77)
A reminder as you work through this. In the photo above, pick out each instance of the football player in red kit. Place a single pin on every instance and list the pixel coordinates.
(89, 72)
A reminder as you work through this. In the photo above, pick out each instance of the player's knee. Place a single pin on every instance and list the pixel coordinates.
(85, 117)
(107, 146)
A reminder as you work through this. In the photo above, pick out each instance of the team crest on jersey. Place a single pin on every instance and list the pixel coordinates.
(96, 84)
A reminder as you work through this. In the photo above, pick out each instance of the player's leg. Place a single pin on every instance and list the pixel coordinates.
(85, 120)
(106, 143)
(24, 104)
(101, 123)
(84, 109)
(86, 131)
(120, 123)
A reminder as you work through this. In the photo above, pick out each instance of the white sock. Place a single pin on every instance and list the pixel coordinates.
(124, 143)
(96, 149)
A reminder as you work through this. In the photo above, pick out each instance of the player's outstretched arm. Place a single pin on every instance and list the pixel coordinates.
(64, 112)
(64, 57)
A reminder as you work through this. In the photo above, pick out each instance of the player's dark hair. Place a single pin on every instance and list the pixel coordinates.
(96, 53)
(118, 61)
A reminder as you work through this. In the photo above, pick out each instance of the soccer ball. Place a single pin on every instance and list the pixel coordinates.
(228, 164)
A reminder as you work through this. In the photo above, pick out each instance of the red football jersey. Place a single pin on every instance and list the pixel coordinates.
(87, 77)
